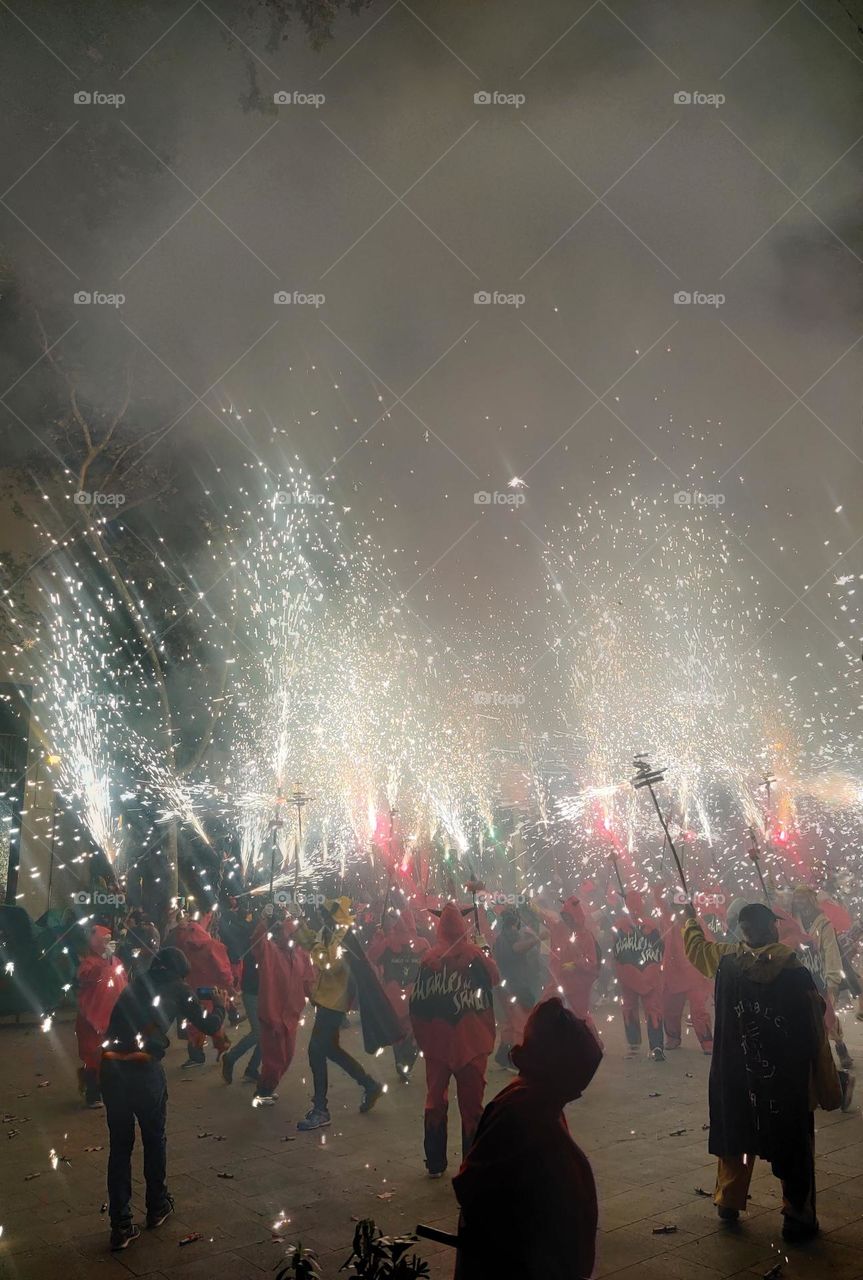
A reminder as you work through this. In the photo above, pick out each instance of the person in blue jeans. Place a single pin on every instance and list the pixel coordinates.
(134, 1086)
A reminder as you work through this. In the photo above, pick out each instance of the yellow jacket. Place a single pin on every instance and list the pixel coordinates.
(333, 986)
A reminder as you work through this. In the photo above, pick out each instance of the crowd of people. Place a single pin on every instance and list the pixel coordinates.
(448, 981)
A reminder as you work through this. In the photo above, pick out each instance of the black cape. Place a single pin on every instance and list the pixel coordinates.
(765, 1045)
(377, 1018)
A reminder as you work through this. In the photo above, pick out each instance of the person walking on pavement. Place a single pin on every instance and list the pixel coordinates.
(135, 1088)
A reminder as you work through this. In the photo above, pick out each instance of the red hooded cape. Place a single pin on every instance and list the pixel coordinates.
(285, 973)
(524, 1167)
(451, 1006)
(574, 956)
(637, 947)
(101, 978)
(677, 973)
(209, 965)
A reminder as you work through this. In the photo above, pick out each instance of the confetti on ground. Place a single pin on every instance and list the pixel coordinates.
(665, 1231)
(28, 1177)
(190, 1239)
(224, 1175)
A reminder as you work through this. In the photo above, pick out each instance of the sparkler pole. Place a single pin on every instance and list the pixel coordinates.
(614, 863)
(299, 799)
(755, 855)
(647, 777)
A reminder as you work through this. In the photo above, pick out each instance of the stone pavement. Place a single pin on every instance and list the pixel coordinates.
(648, 1153)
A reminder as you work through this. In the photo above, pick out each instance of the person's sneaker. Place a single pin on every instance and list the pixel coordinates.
(264, 1100)
(435, 1175)
(658, 1055)
(156, 1218)
(848, 1083)
(727, 1215)
(370, 1096)
(227, 1070)
(313, 1119)
(122, 1237)
(193, 1062)
(796, 1232)
(96, 1105)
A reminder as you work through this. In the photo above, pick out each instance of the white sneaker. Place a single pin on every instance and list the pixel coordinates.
(264, 1100)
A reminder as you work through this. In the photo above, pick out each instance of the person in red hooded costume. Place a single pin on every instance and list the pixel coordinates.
(101, 978)
(453, 1022)
(638, 952)
(681, 981)
(396, 950)
(575, 958)
(209, 966)
(285, 980)
(526, 1191)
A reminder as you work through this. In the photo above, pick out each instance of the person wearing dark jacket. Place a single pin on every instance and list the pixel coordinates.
(249, 986)
(134, 1086)
(526, 1191)
(771, 1066)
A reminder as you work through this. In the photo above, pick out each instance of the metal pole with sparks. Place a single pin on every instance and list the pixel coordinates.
(755, 854)
(275, 827)
(300, 799)
(645, 776)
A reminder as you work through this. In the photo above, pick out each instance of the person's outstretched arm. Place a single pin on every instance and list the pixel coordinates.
(702, 954)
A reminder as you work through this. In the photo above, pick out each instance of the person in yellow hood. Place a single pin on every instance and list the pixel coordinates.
(771, 1066)
(332, 995)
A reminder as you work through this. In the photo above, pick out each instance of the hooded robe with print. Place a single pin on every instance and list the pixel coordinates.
(451, 1004)
(638, 948)
(768, 1045)
(101, 978)
(526, 1191)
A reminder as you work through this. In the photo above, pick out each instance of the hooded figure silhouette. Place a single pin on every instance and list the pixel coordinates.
(524, 1170)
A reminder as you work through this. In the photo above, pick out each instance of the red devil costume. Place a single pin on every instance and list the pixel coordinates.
(285, 979)
(209, 966)
(526, 1191)
(453, 1022)
(681, 982)
(396, 950)
(101, 978)
(638, 952)
(575, 958)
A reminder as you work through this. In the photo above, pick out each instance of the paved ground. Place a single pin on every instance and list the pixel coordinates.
(648, 1174)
